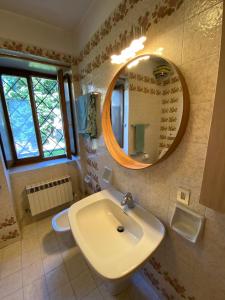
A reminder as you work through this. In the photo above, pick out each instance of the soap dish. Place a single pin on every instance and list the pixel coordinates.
(187, 223)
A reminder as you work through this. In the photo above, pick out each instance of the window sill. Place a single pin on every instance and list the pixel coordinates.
(42, 164)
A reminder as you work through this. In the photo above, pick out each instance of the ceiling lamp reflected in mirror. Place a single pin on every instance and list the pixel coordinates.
(129, 52)
(136, 61)
(162, 71)
(159, 51)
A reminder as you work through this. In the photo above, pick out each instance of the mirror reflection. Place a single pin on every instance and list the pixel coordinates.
(147, 108)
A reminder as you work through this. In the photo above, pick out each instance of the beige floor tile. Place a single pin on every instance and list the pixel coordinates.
(94, 295)
(56, 278)
(30, 257)
(105, 293)
(11, 251)
(97, 278)
(107, 296)
(66, 241)
(37, 290)
(75, 265)
(63, 293)
(68, 253)
(44, 227)
(49, 244)
(52, 261)
(30, 231)
(32, 272)
(60, 260)
(30, 244)
(9, 267)
(44, 233)
(83, 284)
(44, 222)
(10, 284)
(139, 289)
(18, 295)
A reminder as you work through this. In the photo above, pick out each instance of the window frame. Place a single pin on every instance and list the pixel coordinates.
(28, 75)
(121, 89)
(67, 78)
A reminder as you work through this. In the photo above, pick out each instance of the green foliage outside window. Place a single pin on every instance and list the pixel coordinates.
(47, 104)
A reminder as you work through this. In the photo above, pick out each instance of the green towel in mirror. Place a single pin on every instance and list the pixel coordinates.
(139, 138)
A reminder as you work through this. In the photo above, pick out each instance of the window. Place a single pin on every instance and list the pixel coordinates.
(20, 115)
(49, 116)
(32, 107)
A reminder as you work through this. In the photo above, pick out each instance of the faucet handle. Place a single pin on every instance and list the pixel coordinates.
(128, 199)
(123, 201)
(128, 195)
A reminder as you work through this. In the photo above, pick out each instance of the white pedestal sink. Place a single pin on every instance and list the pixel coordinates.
(114, 255)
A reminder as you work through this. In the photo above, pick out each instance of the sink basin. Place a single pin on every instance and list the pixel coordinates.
(113, 254)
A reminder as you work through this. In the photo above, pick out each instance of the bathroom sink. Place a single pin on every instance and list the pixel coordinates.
(114, 240)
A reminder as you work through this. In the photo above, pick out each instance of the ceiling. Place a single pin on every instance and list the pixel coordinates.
(65, 14)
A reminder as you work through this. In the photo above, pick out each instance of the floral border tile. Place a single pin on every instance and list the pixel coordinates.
(149, 79)
(179, 289)
(115, 17)
(167, 8)
(10, 235)
(8, 222)
(118, 15)
(38, 51)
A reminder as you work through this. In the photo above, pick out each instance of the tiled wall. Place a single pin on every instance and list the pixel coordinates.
(19, 180)
(171, 111)
(187, 33)
(9, 231)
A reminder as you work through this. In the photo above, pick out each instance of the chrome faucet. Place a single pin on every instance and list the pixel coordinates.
(128, 200)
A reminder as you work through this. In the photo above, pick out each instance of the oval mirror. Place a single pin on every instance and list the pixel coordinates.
(145, 112)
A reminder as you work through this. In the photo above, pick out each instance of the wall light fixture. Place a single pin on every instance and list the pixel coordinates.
(129, 52)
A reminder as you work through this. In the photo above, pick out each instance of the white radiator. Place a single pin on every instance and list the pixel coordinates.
(46, 195)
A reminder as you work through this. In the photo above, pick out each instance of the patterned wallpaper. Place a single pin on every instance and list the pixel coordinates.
(171, 112)
(144, 22)
(182, 30)
(9, 231)
(118, 15)
(123, 39)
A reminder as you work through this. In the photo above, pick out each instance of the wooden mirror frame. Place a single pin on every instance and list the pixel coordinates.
(111, 143)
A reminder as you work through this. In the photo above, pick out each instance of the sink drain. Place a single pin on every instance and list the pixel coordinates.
(120, 229)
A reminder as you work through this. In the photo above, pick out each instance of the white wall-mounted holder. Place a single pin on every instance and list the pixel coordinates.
(107, 175)
(187, 223)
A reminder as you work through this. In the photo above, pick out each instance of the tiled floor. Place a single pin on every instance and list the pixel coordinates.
(46, 266)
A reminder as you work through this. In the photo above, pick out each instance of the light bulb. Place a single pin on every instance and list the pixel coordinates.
(136, 61)
(142, 39)
(146, 57)
(129, 52)
(133, 64)
(159, 51)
